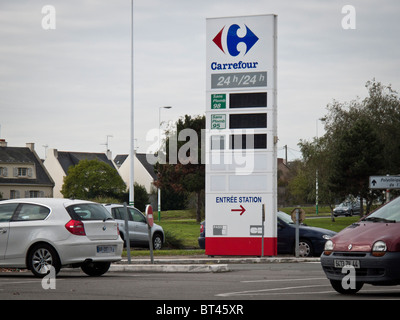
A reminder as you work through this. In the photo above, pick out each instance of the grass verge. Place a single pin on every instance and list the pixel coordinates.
(182, 230)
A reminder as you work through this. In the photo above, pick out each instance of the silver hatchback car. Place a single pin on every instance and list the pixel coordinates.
(41, 233)
(137, 224)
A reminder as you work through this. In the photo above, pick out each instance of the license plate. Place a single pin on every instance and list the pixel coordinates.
(105, 249)
(343, 263)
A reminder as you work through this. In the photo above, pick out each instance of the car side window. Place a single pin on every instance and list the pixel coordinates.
(6, 211)
(120, 213)
(116, 214)
(28, 212)
(137, 216)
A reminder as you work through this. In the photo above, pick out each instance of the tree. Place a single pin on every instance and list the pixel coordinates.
(359, 155)
(362, 139)
(188, 174)
(317, 167)
(92, 178)
(141, 196)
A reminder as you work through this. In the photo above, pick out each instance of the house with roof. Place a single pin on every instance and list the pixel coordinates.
(22, 173)
(58, 163)
(143, 171)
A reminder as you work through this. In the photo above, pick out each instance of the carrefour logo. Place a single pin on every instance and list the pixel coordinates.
(229, 40)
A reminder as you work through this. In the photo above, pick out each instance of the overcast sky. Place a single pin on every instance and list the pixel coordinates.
(69, 87)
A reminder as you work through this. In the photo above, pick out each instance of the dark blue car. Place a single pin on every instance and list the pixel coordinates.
(311, 243)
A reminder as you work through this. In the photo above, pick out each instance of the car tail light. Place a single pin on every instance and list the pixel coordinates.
(76, 227)
(201, 228)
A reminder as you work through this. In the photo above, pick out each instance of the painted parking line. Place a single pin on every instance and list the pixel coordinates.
(273, 291)
(277, 280)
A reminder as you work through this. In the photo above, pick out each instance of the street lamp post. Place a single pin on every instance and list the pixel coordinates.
(158, 154)
(132, 133)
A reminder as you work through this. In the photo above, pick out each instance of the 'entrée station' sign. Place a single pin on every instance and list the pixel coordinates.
(241, 113)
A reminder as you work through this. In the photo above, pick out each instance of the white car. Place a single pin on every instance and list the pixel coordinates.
(137, 225)
(40, 233)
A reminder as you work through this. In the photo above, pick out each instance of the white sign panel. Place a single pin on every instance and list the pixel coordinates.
(241, 154)
(384, 182)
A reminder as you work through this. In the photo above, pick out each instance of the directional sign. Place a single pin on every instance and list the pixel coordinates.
(384, 182)
(241, 210)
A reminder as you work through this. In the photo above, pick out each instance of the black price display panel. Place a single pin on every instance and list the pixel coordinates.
(248, 141)
(248, 100)
(248, 121)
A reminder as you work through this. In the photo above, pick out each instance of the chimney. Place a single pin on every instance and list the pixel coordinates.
(55, 153)
(109, 154)
(31, 146)
(3, 143)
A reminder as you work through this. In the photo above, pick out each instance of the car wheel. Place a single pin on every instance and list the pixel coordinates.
(41, 258)
(157, 241)
(305, 248)
(95, 269)
(337, 285)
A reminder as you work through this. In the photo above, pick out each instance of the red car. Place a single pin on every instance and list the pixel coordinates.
(369, 249)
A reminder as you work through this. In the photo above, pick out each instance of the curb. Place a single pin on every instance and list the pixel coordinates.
(194, 268)
(197, 265)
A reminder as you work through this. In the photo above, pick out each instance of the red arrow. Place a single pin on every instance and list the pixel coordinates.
(242, 210)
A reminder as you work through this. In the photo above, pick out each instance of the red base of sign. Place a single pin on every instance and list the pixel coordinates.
(225, 246)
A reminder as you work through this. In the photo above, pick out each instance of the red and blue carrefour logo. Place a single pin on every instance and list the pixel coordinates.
(231, 41)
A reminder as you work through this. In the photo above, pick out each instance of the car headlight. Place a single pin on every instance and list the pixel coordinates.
(328, 247)
(379, 248)
(326, 237)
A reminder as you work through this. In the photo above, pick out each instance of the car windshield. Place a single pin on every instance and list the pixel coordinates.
(342, 205)
(388, 213)
(285, 217)
(88, 211)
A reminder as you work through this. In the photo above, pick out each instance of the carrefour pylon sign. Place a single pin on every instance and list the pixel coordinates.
(241, 152)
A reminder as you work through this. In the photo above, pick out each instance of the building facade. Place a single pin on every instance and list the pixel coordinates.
(22, 173)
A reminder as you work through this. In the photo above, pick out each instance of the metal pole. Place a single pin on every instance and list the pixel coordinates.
(127, 241)
(132, 147)
(262, 237)
(297, 233)
(150, 244)
(159, 203)
(316, 192)
(159, 158)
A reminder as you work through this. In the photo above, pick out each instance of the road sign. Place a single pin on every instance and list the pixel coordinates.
(149, 215)
(384, 182)
(302, 215)
(150, 223)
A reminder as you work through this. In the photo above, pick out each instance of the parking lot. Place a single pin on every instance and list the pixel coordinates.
(245, 282)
